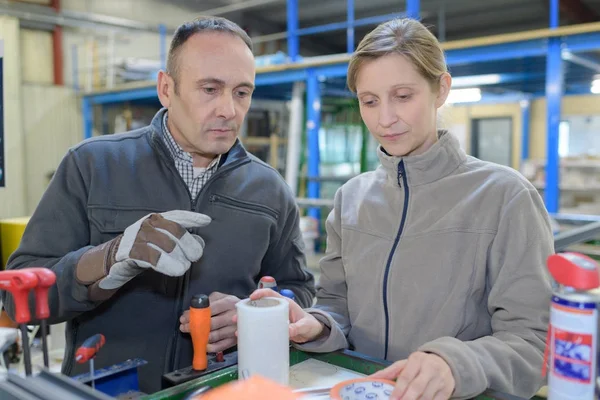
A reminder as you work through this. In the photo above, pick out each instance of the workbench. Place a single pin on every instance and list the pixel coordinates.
(345, 359)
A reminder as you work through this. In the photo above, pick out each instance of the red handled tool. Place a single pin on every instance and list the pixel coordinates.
(19, 283)
(46, 278)
(88, 350)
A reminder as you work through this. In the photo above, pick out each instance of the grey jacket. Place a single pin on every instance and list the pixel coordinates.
(441, 253)
(105, 184)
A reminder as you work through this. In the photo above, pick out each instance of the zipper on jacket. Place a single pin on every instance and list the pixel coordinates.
(401, 182)
(243, 205)
(181, 284)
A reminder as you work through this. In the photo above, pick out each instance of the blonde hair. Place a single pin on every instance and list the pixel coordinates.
(407, 37)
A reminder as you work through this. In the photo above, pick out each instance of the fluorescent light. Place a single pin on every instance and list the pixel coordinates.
(595, 88)
(475, 80)
(464, 95)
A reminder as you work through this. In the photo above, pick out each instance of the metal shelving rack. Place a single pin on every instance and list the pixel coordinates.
(548, 43)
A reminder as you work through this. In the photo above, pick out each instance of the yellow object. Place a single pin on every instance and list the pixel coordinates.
(11, 231)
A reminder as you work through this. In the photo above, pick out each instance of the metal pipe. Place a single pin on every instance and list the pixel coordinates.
(554, 92)
(75, 66)
(294, 136)
(442, 22)
(292, 30)
(313, 123)
(73, 19)
(525, 120)
(244, 5)
(162, 28)
(576, 235)
(336, 26)
(57, 42)
(413, 8)
(57, 55)
(350, 29)
(110, 56)
(88, 118)
(554, 13)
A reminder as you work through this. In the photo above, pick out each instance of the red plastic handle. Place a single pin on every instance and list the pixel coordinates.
(46, 278)
(574, 270)
(89, 348)
(19, 283)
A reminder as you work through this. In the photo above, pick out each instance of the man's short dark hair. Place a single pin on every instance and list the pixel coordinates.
(200, 25)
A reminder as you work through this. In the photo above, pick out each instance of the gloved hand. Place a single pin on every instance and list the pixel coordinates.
(157, 241)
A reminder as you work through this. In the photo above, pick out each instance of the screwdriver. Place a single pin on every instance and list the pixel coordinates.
(268, 282)
(200, 329)
(88, 350)
(46, 278)
(19, 283)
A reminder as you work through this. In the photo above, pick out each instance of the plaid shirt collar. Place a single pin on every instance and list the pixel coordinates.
(177, 151)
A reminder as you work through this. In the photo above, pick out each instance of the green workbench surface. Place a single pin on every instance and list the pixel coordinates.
(345, 359)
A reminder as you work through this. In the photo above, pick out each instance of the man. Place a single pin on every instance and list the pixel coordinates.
(135, 224)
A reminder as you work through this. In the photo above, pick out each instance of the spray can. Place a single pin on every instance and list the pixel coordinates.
(573, 333)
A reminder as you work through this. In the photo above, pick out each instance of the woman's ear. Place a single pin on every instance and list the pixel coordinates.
(444, 89)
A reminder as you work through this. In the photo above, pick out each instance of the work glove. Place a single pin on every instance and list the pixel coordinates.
(157, 241)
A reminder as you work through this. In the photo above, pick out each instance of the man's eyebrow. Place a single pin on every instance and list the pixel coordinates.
(221, 82)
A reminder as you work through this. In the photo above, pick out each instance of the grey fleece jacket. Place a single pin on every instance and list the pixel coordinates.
(105, 184)
(441, 253)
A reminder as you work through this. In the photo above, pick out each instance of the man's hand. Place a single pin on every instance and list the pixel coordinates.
(157, 241)
(422, 376)
(222, 324)
(303, 326)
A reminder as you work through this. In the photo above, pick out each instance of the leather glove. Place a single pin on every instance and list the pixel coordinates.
(156, 241)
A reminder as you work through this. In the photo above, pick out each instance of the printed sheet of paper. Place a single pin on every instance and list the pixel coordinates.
(316, 374)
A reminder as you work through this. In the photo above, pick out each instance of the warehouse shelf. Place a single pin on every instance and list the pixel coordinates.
(520, 67)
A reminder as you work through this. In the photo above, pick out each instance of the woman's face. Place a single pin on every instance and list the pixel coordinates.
(398, 104)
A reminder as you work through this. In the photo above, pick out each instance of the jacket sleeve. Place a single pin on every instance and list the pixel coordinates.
(285, 260)
(510, 360)
(55, 237)
(332, 304)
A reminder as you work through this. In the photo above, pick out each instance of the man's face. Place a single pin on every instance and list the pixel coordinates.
(215, 81)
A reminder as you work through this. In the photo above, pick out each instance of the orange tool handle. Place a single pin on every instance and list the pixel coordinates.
(89, 348)
(46, 278)
(200, 329)
(19, 283)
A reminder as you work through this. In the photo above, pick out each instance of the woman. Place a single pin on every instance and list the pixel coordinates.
(436, 260)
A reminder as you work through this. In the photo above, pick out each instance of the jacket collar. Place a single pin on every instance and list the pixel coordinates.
(436, 163)
(236, 152)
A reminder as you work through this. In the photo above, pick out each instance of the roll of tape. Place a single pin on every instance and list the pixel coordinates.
(263, 339)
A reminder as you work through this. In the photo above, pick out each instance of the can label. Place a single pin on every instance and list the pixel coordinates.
(573, 338)
(572, 355)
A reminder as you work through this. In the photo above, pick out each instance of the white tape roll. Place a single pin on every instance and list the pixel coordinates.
(263, 339)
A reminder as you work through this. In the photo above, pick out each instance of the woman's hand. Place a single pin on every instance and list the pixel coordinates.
(303, 326)
(422, 376)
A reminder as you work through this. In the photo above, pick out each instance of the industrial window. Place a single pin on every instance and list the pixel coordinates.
(491, 140)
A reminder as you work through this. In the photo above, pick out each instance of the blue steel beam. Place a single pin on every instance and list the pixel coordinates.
(293, 41)
(88, 118)
(337, 26)
(529, 48)
(350, 29)
(122, 96)
(583, 42)
(525, 122)
(413, 8)
(300, 74)
(313, 124)
(554, 92)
